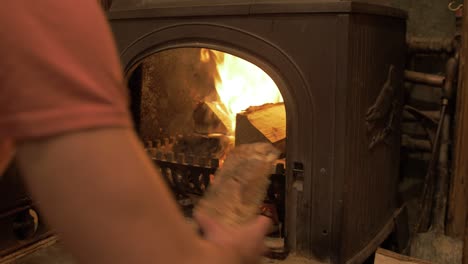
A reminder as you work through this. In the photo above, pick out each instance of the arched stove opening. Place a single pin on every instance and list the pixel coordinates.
(191, 106)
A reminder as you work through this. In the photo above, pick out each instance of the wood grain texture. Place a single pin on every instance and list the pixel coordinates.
(240, 185)
(265, 123)
(458, 198)
(461, 154)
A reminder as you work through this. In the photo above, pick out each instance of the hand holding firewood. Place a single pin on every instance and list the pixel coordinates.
(247, 242)
(228, 213)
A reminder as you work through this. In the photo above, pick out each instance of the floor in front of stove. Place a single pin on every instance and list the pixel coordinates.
(56, 254)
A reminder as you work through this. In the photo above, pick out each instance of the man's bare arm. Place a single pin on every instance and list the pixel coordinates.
(100, 191)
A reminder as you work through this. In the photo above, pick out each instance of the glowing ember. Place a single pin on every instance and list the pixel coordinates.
(241, 84)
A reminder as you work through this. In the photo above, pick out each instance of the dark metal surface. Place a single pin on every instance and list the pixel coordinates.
(384, 110)
(186, 178)
(190, 174)
(169, 8)
(370, 176)
(330, 68)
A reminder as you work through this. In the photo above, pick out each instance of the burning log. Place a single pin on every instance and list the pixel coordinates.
(266, 123)
(240, 185)
(211, 117)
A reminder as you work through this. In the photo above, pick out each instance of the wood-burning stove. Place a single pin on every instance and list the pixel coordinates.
(339, 66)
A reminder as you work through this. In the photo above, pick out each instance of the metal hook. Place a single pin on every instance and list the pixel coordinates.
(454, 9)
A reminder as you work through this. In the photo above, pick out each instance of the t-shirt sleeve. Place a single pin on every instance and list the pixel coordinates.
(59, 70)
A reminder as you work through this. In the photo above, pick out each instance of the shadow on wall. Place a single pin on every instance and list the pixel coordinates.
(426, 18)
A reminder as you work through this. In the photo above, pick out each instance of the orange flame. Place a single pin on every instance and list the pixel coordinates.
(241, 84)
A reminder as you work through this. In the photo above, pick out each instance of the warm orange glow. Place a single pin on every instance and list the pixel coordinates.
(205, 55)
(241, 84)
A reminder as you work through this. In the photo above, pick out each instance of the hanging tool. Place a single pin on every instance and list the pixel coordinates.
(434, 245)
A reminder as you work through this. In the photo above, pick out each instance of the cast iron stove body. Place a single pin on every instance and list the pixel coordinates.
(339, 66)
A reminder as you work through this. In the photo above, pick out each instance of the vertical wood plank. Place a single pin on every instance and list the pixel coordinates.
(457, 224)
(458, 192)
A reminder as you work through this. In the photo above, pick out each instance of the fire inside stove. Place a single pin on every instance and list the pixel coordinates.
(240, 85)
(194, 105)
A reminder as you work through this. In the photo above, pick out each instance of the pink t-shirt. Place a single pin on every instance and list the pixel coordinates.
(59, 70)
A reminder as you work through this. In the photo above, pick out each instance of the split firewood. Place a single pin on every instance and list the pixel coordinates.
(240, 185)
(211, 117)
(266, 123)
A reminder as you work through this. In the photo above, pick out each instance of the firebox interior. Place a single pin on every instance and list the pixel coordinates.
(192, 105)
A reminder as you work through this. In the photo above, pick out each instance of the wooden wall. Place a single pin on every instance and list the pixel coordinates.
(458, 200)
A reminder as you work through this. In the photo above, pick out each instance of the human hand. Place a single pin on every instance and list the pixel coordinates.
(247, 241)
